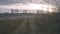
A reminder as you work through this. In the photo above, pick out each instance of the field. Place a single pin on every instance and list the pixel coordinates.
(45, 24)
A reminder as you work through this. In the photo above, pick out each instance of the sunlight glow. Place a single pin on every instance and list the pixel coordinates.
(30, 6)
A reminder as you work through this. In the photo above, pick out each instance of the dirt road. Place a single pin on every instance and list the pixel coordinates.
(34, 25)
(28, 27)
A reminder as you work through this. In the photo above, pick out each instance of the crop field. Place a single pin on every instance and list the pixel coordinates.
(46, 24)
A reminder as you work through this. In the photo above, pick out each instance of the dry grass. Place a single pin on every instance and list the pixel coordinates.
(48, 24)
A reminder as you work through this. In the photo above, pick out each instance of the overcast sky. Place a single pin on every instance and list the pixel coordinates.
(25, 2)
(3, 2)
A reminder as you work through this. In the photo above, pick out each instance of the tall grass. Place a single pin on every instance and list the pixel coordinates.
(47, 24)
(8, 26)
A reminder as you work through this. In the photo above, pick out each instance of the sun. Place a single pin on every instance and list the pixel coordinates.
(44, 7)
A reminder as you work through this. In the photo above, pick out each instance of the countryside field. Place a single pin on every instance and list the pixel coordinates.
(46, 24)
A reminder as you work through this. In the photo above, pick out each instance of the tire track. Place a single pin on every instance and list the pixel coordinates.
(22, 29)
(28, 27)
(32, 28)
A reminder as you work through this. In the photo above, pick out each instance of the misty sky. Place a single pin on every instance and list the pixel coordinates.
(4, 2)
(25, 2)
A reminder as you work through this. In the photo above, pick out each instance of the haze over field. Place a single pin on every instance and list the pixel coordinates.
(6, 5)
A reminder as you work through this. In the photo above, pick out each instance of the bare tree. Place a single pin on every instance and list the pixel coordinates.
(16, 11)
(12, 11)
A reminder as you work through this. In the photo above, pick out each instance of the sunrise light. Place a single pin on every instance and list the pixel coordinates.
(30, 6)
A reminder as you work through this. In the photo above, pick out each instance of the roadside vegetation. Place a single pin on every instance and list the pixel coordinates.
(47, 24)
